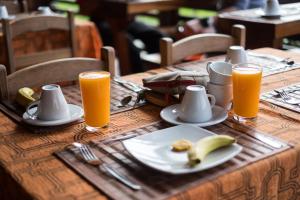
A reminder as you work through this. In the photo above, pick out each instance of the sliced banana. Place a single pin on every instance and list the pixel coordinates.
(24, 96)
(206, 145)
(181, 145)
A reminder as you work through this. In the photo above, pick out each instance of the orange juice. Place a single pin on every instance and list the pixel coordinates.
(95, 94)
(246, 80)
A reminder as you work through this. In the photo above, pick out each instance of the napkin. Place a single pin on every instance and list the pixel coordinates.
(175, 82)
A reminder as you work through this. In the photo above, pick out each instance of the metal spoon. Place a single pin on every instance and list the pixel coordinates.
(126, 100)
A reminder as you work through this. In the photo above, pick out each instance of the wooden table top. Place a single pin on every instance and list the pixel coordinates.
(288, 24)
(271, 31)
(28, 168)
(291, 13)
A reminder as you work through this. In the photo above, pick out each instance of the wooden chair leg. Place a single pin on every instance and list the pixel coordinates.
(3, 83)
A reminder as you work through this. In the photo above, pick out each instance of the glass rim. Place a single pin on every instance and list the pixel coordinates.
(105, 73)
(252, 65)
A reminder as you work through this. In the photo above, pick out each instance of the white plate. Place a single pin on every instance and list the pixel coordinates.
(76, 113)
(154, 150)
(170, 114)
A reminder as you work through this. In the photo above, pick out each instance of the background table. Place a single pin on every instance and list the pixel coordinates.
(124, 10)
(87, 37)
(261, 32)
(28, 169)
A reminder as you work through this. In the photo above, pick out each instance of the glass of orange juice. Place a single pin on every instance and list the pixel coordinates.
(95, 94)
(246, 80)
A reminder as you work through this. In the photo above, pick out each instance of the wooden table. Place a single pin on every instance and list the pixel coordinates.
(124, 10)
(263, 32)
(29, 170)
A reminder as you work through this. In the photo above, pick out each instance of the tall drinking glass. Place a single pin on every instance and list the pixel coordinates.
(95, 94)
(246, 79)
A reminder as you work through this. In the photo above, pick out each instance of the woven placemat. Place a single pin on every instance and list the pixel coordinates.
(73, 96)
(158, 185)
(270, 67)
(274, 98)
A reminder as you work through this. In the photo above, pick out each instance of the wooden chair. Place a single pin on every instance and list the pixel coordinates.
(55, 71)
(13, 28)
(201, 43)
(15, 6)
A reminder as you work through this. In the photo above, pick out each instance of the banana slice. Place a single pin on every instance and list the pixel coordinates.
(181, 145)
(24, 96)
(206, 145)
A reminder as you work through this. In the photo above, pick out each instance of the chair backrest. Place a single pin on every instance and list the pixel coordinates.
(201, 43)
(55, 71)
(13, 28)
(15, 6)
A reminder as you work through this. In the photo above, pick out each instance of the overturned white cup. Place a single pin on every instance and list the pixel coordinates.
(236, 54)
(195, 106)
(272, 8)
(51, 106)
(3, 12)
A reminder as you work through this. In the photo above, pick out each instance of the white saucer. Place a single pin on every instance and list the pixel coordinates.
(261, 13)
(170, 114)
(271, 16)
(76, 112)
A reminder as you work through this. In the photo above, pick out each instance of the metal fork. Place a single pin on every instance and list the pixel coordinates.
(92, 159)
(287, 98)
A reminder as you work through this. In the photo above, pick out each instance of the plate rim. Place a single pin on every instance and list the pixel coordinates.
(36, 122)
(202, 124)
(193, 170)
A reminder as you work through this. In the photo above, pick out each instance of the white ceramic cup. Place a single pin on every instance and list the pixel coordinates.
(51, 106)
(45, 10)
(272, 8)
(236, 54)
(3, 12)
(219, 72)
(195, 106)
(222, 94)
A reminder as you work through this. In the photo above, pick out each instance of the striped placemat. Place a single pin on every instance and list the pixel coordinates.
(274, 97)
(158, 185)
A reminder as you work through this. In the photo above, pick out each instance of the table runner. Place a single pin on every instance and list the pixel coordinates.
(270, 67)
(27, 159)
(274, 98)
(157, 185)
(73, 96)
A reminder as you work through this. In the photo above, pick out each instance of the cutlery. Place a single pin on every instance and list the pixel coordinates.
(288, 99)
(289, 90)
(92, 159)
(125, 101)
(287, 61)
(123, 137)
(129, 85)
(133, 87)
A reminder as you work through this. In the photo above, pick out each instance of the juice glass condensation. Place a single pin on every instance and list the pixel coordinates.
(246, 79)
(95, 94)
